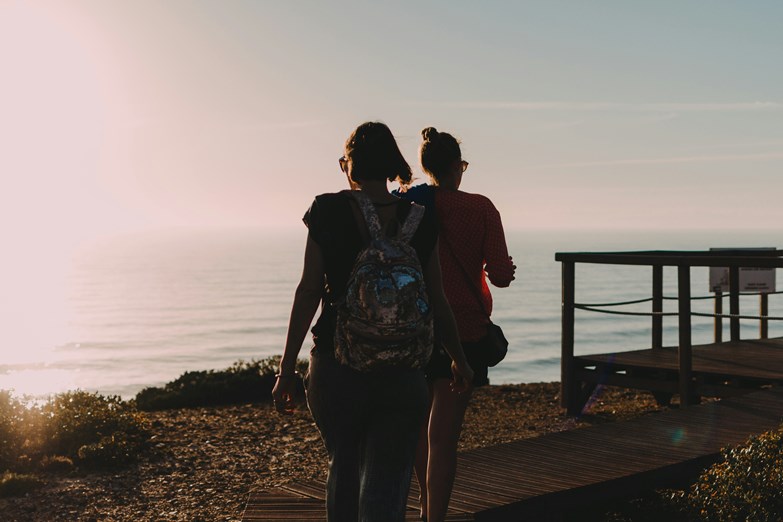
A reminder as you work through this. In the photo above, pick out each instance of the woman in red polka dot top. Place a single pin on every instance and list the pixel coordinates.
(472, 250)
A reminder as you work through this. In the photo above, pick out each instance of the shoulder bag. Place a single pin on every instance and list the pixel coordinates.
(494, 345)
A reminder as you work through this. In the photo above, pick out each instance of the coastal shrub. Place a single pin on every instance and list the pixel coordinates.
(242, 382)
(57, 464)
(746, 485)
(97, 430)
(15, 485)
(11, 425)
(651, 506)
(111, 451)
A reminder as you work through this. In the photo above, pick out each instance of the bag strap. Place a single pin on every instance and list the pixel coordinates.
(360, 222)
(412, 222)
(371, 219)
(475, 290)
(369, 214)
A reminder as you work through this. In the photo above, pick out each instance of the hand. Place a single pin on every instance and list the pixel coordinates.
(513, 267)
(283, 394)
(463, 377)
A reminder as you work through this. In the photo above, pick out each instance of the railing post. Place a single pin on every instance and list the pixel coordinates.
(718, 327)
(763, 312)
(567, 385)
(684, 350)
(657, 306)
(734, 305)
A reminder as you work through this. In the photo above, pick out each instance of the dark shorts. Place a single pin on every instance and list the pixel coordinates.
(439, 366)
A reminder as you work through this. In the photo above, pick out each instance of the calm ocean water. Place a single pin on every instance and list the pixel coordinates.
(140, 310)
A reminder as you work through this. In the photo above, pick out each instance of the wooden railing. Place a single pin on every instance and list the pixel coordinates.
(683, 261)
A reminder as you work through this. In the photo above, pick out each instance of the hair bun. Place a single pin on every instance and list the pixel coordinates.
(429, 134)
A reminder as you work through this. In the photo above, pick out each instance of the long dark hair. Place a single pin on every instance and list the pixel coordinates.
(374, 154)
(438, 152)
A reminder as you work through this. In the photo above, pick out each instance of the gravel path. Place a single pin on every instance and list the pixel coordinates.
(205, 461)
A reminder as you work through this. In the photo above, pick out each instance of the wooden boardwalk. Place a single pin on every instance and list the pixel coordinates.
(753, 360)
(536, 479)
(722, 369)
(718, 369)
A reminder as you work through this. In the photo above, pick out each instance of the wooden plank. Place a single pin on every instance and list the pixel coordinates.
(569, 387)
(657, 306)
(530, 478)
(717, 328)
(684, 357)
(608, 378)
(734, 303)
(498, 483)
(312, 489)
(593, 443)
(548, 458)
(730, 421)
(754, 359)
(284, 505)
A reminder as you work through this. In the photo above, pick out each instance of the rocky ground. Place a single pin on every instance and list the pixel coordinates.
(204, 462)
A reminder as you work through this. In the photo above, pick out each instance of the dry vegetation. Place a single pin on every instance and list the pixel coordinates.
(203, 462)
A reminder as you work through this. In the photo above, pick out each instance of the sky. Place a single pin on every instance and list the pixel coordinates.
(118, 116)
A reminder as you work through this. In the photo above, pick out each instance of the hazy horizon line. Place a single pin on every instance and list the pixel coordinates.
(612, 106)
(664, 161)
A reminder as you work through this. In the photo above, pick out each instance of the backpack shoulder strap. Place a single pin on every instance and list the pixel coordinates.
(361, 224)
(412, 221)
(369, 213)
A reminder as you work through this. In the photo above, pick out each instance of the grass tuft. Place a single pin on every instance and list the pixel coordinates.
(16, 485)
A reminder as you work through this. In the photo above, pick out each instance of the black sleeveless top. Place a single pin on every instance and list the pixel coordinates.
(332, 224)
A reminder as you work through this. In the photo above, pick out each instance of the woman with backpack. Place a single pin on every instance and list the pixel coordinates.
(472, 249)
(365, 384)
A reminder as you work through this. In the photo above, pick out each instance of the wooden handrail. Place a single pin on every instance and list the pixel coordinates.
(728, 258)
(657, 259)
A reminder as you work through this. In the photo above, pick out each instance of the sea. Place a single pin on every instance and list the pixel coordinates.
(131, 311)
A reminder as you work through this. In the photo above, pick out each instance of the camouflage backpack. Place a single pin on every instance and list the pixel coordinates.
(384, 318)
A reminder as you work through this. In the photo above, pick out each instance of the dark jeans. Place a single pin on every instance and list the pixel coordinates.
(370, 424)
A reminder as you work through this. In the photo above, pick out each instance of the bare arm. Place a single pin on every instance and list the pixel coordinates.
(306, 300)
(500, 267)
(444, 318)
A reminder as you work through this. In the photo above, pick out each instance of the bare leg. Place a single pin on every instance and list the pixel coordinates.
(446, 416)
(422, 454)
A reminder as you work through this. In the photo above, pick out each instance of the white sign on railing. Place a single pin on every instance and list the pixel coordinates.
(761, 280)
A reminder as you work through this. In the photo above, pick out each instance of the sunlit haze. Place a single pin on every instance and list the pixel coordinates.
(124, 116)
(573, 114)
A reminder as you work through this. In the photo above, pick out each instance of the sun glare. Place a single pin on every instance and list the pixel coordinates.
(37, 382)
(53, 103)
(55, 99)
(33, 304)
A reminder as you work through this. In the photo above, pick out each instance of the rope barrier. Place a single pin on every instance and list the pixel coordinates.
(671, 314)
(596, 307)
(616, 312)
(737, 316)
(722, 296)
(695, 298)
(671, 298)
(620, 303)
